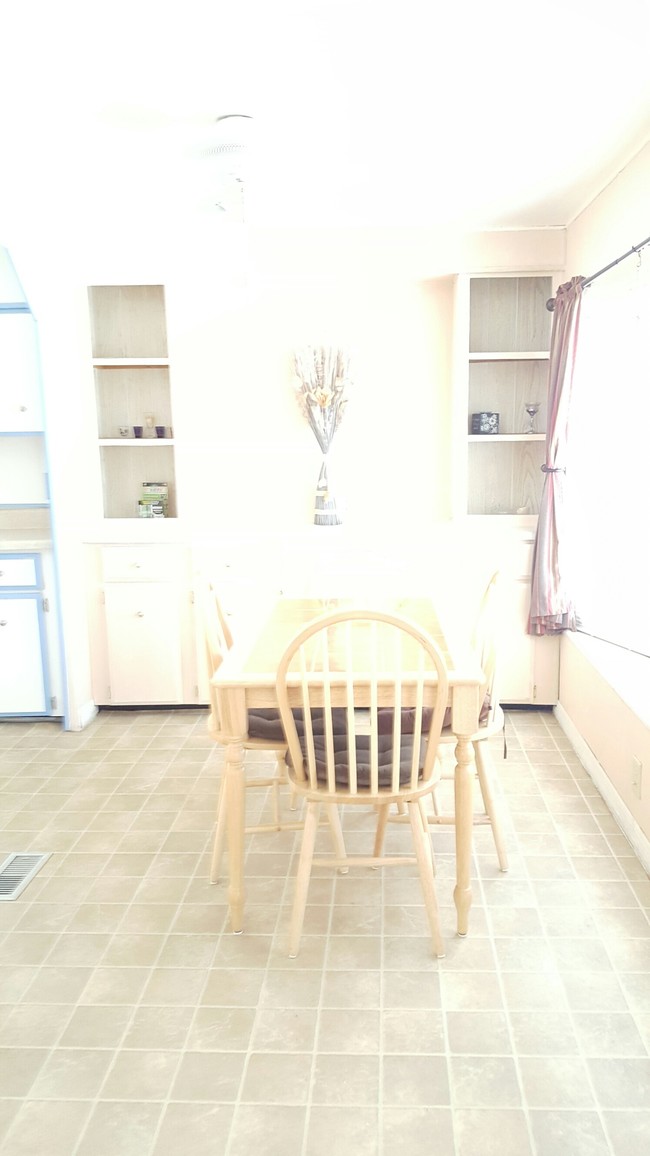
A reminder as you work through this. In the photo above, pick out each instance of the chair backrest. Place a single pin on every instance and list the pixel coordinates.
(216, 632)
(367, 691)
(218, 641)
(485, 646)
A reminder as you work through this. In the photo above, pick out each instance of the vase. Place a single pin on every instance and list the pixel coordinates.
(325, 511)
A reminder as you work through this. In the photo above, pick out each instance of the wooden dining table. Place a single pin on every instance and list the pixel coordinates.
(246, 679)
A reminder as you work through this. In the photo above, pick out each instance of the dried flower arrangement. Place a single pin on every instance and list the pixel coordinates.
(323, 374)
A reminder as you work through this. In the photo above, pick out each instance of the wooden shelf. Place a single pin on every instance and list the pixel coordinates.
(138, 443)
(129, 362)
(537, 355)
(537, 437)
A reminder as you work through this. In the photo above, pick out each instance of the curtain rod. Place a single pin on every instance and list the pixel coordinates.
(550, 304)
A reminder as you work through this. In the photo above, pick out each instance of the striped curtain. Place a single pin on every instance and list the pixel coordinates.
(551, 607)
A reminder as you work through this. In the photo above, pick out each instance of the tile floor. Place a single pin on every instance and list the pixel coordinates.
(133, 1023)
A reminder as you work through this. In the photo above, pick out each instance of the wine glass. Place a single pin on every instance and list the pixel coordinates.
(532, 409)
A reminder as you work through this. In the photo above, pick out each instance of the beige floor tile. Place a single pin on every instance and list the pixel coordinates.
(493, 1132)
(209, 1076)
(277, 1078)
(276, 1130)
(199, 1129)
(46, 1124)
(127, 1128)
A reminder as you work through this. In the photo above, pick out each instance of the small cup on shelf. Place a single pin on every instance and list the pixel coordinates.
(124, 431)
(137, 431)
(160, 431)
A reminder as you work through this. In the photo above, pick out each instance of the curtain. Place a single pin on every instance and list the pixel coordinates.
(551, 608)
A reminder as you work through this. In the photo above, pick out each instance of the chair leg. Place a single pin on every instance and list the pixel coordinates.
(219, 834)
(283, 777)
(422, 844)
(303, 877)
(382, 823)
(491, 807)
(336, 831)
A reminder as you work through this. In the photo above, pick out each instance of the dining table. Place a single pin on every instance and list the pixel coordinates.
(246, 680)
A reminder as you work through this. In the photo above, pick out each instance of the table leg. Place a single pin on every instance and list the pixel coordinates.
(463, 805)
(235, 823)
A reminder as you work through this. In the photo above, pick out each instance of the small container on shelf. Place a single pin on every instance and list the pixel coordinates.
(485, 423)
(151, 509)
(154, 501)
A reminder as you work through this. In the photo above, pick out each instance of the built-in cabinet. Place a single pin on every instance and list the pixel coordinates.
(30, 676)
(505, 369)
(141, 625)
(24, 659)
(133, 398)
(503, 332)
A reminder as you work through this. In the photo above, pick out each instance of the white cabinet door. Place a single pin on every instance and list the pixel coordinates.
(20, 396)
(22, 679)
(144, 630)
(528, 666)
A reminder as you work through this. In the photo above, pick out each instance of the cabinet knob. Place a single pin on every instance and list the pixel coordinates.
(139, 614)
(3, 621)
(23, 408)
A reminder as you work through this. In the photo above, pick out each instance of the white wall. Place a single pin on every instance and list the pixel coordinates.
(598, 698)
(240, 426)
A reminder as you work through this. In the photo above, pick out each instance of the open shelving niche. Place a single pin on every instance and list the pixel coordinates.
(132, 388)
(509, 332)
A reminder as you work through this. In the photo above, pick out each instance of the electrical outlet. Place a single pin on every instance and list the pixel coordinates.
(637, 769)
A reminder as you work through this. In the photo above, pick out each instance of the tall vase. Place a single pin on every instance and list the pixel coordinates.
(325, 511)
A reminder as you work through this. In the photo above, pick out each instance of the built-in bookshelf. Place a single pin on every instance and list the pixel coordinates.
(132, 391)
(509, 340)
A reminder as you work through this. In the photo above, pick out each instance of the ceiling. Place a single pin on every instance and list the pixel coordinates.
(466, 114)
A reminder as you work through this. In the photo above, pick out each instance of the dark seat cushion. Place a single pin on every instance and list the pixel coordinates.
(266, 724)
(362, 744)
(407, 716)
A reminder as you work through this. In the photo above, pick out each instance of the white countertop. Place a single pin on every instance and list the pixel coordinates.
(24, 541)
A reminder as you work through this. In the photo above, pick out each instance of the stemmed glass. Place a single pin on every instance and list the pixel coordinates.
(532, 409)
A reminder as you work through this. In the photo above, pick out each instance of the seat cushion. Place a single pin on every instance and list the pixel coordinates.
(266, 724)
(362, 744)
(385, 717)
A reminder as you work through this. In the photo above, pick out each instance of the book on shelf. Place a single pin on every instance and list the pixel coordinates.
(154, 500)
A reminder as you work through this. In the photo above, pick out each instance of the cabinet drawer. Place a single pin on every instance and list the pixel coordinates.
(142, 563)
(22, 570)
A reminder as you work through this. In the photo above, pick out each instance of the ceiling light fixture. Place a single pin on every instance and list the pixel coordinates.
(231, 151)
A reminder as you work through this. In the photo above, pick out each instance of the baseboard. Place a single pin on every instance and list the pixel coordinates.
(628, 824)
(82, 717)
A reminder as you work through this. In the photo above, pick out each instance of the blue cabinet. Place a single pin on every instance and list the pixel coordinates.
(29, 637)
(24, 666)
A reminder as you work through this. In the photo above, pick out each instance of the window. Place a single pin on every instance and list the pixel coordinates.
(608, 478)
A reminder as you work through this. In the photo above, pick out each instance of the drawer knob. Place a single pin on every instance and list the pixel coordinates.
(139, 614)
(23, 409)
(3, 621)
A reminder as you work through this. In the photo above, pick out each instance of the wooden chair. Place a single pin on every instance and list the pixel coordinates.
(491, 723)
(340, 672)
(265, 733)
